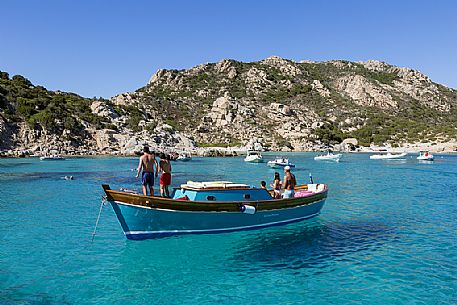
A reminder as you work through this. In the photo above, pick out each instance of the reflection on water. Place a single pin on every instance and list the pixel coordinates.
(311, 246)
(13, 296)
(13, 165)
(395, 161)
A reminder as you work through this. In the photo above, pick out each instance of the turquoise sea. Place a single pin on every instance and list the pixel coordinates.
(386, 235)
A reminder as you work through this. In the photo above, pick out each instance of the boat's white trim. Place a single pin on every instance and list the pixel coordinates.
(223, 229)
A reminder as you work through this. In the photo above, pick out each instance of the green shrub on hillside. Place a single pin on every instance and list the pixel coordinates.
(45, 109)
(135, 116)
(329, 134)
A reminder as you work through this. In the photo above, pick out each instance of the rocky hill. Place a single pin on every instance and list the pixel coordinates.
(279, 103)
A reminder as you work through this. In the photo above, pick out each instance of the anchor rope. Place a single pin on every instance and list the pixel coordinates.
(98, 218)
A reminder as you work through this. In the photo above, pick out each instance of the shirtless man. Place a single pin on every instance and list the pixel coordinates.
(165, 177)
(147, 163)
(289, 183)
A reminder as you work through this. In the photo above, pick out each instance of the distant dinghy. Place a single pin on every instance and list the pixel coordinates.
(388, 156)
(184, 157)
(279, 162)
(425, 156)
(52, 158)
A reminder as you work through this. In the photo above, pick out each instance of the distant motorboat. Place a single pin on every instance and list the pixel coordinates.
(388, 156)
(253, 157)
(184, 158)
(52, 158)
(329, 157)
(425, 156)
(279, 162)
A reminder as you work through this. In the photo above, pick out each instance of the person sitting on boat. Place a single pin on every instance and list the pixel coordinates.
(289, 183)
(263, 185)
(276, 186)
(165, 177)
(147, 164)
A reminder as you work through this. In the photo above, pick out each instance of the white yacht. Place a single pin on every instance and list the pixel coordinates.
(253, 157)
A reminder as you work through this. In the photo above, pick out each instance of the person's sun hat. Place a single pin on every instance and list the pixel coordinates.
(287, 168)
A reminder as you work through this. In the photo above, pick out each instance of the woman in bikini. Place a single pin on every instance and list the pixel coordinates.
(276, 186)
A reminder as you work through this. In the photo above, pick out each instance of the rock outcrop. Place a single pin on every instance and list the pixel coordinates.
(365, 93)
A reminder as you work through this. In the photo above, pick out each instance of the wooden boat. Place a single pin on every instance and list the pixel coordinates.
(253, 157)
(212, 207)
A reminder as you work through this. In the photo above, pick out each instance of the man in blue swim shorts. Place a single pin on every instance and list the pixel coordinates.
(289, 183)
(148, 164)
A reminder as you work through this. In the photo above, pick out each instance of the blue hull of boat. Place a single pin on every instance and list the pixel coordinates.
(143, 223)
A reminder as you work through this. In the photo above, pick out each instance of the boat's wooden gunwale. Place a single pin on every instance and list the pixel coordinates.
(216, 206)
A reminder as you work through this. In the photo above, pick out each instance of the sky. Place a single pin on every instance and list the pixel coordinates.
(101, 48)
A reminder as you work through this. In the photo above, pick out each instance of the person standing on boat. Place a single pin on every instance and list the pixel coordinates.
(289, 183)
(165, 177)
(147, 164)
(276, 186)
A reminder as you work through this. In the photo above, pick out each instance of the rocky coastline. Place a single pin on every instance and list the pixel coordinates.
(228, 107)
(411, 148)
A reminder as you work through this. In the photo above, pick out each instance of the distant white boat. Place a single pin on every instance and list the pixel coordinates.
(388, 156)
(184, 158)
(52, 158)
(279, 162)
(425, 156)
(329, 157)
(253, 157)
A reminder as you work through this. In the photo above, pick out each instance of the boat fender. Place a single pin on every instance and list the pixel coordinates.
(247, 209)
(184, 198)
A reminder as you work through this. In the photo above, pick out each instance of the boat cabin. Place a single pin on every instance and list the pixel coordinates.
(220, 191)
(254, 153)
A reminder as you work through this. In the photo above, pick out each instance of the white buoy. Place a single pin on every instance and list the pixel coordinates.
(248, 209)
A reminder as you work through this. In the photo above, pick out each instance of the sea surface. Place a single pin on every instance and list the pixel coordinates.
(386, 235)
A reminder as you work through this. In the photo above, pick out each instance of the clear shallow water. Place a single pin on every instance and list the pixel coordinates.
(387, 234)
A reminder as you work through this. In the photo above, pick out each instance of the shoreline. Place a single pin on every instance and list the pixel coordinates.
(239, 152)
